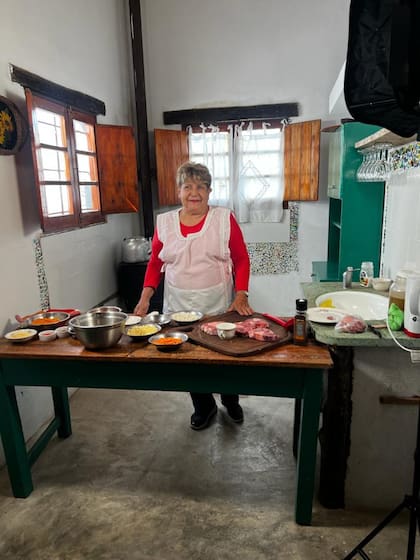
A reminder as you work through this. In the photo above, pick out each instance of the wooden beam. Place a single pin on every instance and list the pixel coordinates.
(66, 96)
(141, 116)
(226, 114)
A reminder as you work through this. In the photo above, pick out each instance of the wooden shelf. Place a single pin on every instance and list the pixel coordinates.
(384, 135)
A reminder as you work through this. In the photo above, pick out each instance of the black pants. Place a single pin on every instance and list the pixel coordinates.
(204, 402)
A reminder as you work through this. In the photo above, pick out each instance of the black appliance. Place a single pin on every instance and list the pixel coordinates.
(130, 277)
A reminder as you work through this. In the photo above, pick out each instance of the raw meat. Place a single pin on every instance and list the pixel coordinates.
(256, 323)
(351, 324)
(264, 334)
(210, 328)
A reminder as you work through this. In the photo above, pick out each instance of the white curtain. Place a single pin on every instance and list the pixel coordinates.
(213, 148)
(401, 230)
(258, 173)
(247, 167)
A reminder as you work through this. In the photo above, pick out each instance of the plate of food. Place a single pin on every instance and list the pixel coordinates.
(21, 335)
(167, 342)
(325, 315)
(186, 317)
(141, 332)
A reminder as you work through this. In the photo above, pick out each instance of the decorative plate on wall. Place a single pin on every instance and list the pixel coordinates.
(13, 127)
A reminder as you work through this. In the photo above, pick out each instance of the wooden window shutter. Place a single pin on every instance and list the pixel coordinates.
(301, 160)
(171, 151)
(117, 168)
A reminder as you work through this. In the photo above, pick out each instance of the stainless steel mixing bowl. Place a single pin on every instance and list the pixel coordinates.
(96, 330)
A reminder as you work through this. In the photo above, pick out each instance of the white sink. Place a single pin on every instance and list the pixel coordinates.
(364, 304)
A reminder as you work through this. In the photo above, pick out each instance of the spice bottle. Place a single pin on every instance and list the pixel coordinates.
(366, 273)
(300, 329)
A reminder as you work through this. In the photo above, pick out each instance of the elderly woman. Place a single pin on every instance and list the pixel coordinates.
(202, 253)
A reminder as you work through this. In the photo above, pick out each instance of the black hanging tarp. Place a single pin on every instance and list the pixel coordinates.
(381, 83)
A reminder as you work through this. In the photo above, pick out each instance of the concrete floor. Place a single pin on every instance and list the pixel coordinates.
(134, 482)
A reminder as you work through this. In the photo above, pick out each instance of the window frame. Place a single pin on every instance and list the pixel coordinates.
(76, 219)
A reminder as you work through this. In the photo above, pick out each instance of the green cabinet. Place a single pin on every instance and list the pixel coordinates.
(356, 208)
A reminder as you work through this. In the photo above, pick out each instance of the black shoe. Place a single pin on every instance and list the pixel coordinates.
(235, 412)
(199, 421)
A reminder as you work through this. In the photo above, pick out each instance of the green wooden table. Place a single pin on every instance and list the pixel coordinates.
(286, 371)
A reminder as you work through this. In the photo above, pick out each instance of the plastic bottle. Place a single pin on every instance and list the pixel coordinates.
(397, 289)
(300, 329)
(366, 273)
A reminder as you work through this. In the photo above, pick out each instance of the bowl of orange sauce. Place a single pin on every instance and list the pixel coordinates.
(48, 320)
(169, 341)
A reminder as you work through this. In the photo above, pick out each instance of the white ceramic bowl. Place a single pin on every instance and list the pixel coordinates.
(381, 284)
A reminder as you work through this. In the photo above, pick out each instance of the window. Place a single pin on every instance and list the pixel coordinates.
(300, 166)
(66, 166)
(246, 163)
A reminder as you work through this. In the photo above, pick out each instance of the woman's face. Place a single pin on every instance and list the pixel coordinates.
(194, 196)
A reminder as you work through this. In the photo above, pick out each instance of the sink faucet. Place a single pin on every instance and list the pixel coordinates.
(348, 277)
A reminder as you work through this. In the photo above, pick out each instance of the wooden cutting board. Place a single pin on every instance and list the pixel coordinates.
(239, 345)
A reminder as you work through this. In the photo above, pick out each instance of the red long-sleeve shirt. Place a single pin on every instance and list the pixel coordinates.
(237, 247)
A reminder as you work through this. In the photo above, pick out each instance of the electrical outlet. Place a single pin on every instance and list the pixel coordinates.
(415, 356)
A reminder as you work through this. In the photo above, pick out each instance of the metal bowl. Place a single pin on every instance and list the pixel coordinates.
(157, 339)
(186, 317)
(134, 331)
(158, 318)
(96, 330)
(54, 319)
(105, 309)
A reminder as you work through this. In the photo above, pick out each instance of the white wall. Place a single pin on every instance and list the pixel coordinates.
(84, 46)
(243, 52)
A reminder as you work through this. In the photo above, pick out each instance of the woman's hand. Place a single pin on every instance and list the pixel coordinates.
(241, 304)
(143, 304)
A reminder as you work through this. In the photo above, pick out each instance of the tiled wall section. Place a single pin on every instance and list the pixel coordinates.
(277, 258)
(44, 296)
(405, 157)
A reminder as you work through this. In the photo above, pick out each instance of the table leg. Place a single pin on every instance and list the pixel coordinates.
(62, 410)
(308, 439)
(14, 442)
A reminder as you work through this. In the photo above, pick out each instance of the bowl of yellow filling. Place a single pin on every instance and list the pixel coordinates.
(140, 332)
(21, 335)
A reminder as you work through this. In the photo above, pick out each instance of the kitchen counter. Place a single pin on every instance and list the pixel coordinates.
(285, 371)
(328, 335)
(366, 447)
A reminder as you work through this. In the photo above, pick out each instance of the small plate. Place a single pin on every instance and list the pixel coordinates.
(326, 315)
(132, 320)
(186, 317)
(21, 335)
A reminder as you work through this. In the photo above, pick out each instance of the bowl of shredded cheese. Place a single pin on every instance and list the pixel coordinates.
(140, 332)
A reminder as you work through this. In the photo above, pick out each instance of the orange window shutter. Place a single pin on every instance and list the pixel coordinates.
(171, 147)
(301, 160)
(117, 168)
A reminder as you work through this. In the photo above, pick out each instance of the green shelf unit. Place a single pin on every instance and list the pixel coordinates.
(356, 208)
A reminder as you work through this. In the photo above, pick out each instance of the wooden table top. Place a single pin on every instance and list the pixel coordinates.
(311, 355)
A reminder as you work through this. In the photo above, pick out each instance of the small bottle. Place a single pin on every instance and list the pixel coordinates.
(300, 329)
(366, 274)
(348, 277)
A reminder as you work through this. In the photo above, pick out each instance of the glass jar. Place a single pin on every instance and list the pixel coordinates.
(397, 289)
(366, 273)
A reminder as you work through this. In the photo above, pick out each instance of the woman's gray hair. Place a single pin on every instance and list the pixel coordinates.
(195, 171)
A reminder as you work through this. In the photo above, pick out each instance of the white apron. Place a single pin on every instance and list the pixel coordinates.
(198, 268)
